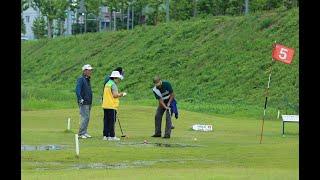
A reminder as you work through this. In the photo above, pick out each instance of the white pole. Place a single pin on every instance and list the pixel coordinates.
(132, 23)
(114, 20)
(128, 15)
(278, 114)
(246, 6)
(167, 11)
(269, 80)
(68, 127)
(77, 144)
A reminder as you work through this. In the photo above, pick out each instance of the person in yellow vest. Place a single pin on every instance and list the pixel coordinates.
(110, 105)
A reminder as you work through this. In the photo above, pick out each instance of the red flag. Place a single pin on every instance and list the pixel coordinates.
(282, 53)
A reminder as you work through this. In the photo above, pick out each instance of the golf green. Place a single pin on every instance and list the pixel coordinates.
(231, 151)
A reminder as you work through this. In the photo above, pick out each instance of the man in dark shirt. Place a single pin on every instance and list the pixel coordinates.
(164, 94)
(84, 97)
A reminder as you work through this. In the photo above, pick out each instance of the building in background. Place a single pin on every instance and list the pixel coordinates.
(31, 14)
(104, 18)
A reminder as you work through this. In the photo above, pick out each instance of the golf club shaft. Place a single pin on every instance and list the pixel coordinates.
(169, 111)
(120, 127)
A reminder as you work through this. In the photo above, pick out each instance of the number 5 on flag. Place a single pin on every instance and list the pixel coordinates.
(282, 53)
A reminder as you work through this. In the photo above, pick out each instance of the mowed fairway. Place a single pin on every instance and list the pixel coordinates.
(231, 151)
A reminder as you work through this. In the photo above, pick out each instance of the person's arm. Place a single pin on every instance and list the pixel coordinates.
(78, 90)
(172, 95)
(161, 103)
(115, 93)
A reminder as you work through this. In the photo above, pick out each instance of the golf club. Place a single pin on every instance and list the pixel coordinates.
(172, 126)
(121, 128)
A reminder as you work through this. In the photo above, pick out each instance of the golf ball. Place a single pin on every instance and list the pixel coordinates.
(195, 139)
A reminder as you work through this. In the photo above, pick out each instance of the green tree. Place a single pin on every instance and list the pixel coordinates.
(182, 9)
(290, 3)
(216, 7)
(93, 8)
(155, 11)
(51, 9)
(92, 25)
(61, 15)
(257, 5)
(220, 7)
(23, 26)
(272, 4)
(141, 7)
(59, 28)
(235, 7)
(39, 27)
(209, 7)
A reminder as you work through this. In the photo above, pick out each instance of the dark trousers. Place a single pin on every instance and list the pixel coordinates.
(158, 121)
(109, 119)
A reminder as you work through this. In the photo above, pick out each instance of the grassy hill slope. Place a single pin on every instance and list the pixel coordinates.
(216, 64)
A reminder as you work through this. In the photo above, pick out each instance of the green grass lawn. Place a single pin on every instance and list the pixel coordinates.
(208, 61)
(231, 151)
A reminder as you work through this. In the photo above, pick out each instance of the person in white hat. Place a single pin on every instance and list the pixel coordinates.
(107, 78)
(84, 97)
(110, 105)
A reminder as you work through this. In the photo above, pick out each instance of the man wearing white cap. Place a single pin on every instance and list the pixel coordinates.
(110, 105)
(84, 96)
(164, 94)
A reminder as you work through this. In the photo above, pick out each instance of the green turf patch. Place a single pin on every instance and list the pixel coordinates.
(231, 151)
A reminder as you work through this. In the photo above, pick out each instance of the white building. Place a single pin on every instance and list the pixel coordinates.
(29, 16)
(105, 17)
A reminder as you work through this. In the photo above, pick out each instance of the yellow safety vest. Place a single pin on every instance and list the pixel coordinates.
(109, 102)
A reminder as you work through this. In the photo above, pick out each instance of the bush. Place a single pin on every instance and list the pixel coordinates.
(39, 27)
(265, 23)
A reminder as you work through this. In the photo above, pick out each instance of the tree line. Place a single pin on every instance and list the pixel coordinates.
(137, 12)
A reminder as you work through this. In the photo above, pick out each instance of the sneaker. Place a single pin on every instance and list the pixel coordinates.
(83, 137)
(155, 135)
(105, 138)
(166, 137)
(87, 135)
(114, 139)
(172, 127)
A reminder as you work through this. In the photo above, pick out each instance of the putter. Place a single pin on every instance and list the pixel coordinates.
(172, 126)
(121, 129)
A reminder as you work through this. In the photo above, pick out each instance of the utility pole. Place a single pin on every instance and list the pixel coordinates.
(247, 6)
(110, 16)
(114, 20)
(132, 19)
(167, 11)
(194, 8)
(100, 20)
(69, 22)
(82, 11)
(85, 22)
(128, 16)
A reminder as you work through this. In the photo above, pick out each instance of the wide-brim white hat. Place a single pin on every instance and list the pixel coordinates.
(116, 74)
